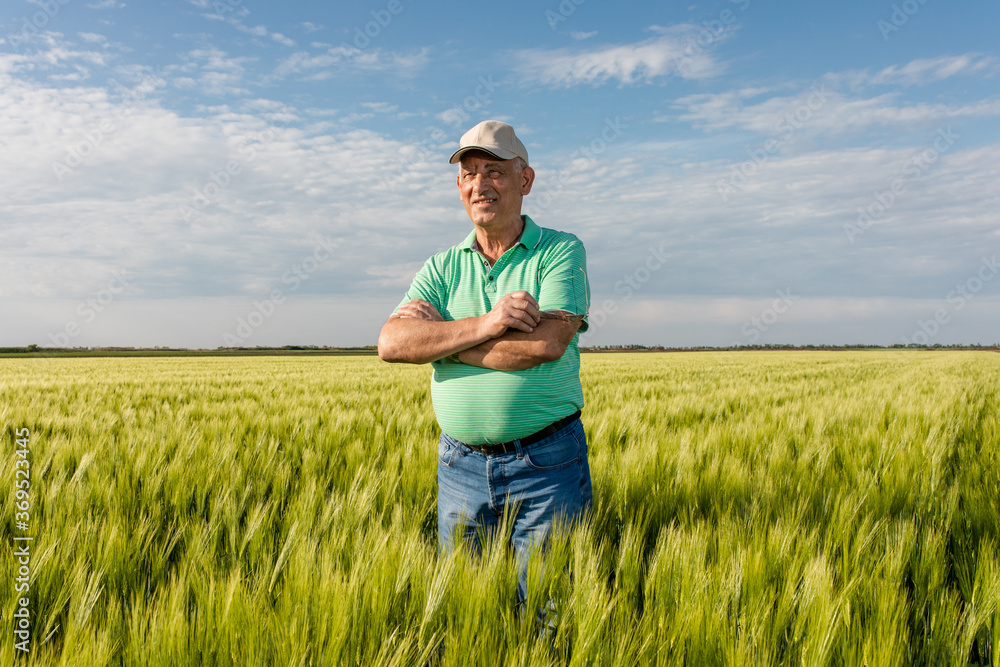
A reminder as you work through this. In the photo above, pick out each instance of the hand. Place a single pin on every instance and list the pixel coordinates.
(420, 310)
(517, 310)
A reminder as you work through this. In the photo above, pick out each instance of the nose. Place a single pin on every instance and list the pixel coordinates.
(480, 185)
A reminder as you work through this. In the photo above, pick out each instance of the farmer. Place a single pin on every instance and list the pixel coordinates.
(497, 316)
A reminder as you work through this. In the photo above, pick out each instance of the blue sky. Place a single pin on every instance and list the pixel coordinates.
(201, 173)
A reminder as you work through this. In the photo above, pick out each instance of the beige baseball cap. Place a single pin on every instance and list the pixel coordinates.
(494, 137)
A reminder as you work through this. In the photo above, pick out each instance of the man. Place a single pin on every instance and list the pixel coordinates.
(498, 317)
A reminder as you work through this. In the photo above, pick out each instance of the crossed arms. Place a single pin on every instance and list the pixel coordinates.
(513, 336)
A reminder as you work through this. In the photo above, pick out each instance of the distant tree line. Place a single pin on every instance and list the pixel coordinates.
(788, 346)
(371, 349)
(92, 351)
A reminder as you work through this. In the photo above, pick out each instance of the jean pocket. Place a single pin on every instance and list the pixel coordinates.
(446, 451)
(554, 453)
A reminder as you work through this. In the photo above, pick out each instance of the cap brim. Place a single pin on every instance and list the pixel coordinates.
(495, 151)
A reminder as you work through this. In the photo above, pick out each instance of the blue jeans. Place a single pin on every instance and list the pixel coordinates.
(545, 481)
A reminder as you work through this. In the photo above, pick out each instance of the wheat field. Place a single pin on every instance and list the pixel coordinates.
(779, 508)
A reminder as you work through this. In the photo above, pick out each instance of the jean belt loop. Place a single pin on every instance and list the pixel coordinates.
(520, 450)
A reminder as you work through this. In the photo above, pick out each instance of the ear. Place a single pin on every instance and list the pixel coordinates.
(527, 180)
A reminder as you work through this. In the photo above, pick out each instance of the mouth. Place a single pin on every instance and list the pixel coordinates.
(483, 202)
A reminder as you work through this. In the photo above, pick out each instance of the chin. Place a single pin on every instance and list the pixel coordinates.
(483, 220)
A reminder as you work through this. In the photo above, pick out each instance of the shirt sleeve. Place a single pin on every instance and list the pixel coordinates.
(427, 285)
(563, 281)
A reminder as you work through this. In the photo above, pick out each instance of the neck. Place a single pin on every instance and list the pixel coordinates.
(494, 242)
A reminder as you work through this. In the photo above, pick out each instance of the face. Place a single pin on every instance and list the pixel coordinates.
(492, 189)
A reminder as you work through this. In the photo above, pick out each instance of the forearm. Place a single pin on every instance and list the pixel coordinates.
(418, 341)
(518, 351)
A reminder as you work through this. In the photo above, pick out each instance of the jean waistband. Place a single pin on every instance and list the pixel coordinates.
(507, 447)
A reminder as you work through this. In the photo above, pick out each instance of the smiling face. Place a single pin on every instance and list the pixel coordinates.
(492, 189)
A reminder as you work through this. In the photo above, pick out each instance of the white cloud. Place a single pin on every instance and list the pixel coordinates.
(270, 106)
(395, 276)
(784, 227)
(808, 320)
(825, 107)
(675, 52)
(395, 62)
(580, 36)
(256, 31)
(923, 71)
(55, 58)
(133, 172)
(302, 61)
(213, 72)
(225, 12)
(93, 38)
(380, 107)
(831, 111)
(138, 322)
(53, 53)
(345, 58)
(265, 180)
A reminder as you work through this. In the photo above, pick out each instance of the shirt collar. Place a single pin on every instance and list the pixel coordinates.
(529, 238)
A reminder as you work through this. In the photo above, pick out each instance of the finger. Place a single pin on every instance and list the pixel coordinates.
(524, 296)
(414, 312)
(519, 324)
(530, 309)
(521, 320)
(407, 309)
(522, 310)
(420, 309)
(426, 306)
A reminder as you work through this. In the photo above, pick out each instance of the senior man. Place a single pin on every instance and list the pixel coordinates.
(498, 317)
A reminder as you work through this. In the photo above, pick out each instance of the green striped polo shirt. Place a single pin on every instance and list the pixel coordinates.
(480, 405)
